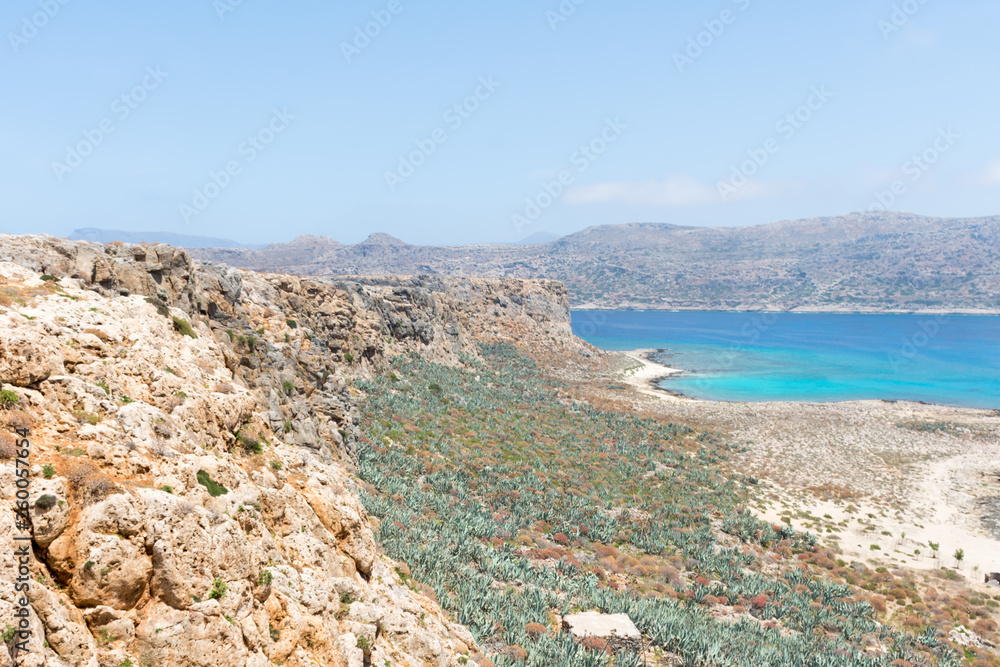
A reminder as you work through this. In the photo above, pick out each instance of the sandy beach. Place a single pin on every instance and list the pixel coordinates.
(645, 374)
(882, 482)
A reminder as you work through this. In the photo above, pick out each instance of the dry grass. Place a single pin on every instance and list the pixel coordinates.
(8, 447)
(89, 484)
(100, 334)
(18, 419)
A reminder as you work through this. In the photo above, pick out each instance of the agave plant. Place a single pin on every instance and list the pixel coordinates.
(457, 481)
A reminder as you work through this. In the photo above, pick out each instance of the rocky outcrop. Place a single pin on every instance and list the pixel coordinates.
(193, 433)
(617, 630)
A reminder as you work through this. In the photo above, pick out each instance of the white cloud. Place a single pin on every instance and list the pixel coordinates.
(674, 191)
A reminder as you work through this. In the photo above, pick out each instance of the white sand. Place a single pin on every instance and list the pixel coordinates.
(927, 485)
(646, 376)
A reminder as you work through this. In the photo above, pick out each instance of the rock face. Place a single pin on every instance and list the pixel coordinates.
(616, 629)
(192, 438)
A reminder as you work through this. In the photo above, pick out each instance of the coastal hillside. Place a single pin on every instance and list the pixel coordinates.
(193, 432)
(863, 261)
(231, 468)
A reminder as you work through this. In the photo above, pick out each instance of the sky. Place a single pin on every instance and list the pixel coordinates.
(467, 122)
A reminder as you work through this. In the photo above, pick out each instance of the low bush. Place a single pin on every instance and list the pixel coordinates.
(214, 489)
(88, 483)
(8, 399)
(8, 447)
(183, 327)
(46, 502)
(219, 589)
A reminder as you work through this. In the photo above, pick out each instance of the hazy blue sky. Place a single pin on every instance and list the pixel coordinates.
(665, 122)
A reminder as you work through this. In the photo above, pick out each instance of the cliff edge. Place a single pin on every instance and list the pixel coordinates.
(192, 435)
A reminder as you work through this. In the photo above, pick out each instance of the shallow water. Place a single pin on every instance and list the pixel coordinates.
(942, 359)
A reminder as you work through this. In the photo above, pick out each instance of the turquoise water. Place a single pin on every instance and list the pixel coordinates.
(941, 359)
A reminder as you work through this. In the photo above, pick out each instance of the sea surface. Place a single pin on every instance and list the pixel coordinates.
(940, 359)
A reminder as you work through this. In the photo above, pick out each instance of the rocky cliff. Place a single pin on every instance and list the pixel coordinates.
(193, 432)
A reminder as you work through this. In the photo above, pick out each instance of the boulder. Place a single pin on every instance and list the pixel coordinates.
(617, 630)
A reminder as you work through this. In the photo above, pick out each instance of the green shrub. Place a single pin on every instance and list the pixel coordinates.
(46, 502)
(183, 327)
(214, 489)
(349, 357)
(8, 399)
(161, 308)
(292, 324)
(276, 465)
(104, 385)
(48, 278)
(249, 443)
(288, 387)
(218, 589)
(48, 471)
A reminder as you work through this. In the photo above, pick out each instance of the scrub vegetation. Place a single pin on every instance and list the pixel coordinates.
(514, 504)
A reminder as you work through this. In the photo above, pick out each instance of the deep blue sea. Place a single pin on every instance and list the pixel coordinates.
(942, 359)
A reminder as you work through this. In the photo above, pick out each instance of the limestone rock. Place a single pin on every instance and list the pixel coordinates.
(202, 513)
(616, 629)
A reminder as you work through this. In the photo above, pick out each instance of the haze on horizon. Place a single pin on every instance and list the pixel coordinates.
(257, 122)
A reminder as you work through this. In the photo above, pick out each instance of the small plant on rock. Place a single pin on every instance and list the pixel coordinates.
(8, 399)
(214, 489)
(183, 327)
(219, 589)
(46, 502)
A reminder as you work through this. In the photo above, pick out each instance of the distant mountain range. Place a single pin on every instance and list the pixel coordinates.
(169, 238)
(873, 262)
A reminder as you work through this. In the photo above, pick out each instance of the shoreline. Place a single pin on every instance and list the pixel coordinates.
(958, 312)
(858, 474)
(648, 377)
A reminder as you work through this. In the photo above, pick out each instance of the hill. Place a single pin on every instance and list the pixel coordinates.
(861, 262)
